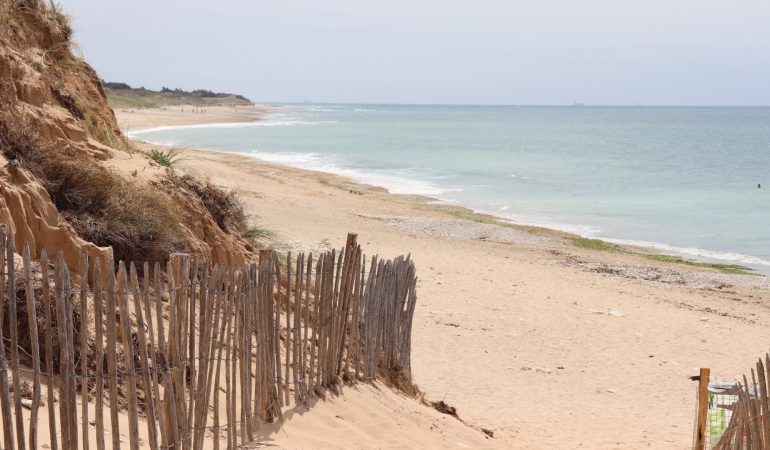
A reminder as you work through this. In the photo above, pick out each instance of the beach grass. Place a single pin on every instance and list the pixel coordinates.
(260, 235)
(167, 157)
(63, 18)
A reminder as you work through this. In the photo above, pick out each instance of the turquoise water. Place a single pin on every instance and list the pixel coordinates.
(683, 180)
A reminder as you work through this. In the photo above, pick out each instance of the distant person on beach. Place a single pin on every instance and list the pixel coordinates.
(759, 186)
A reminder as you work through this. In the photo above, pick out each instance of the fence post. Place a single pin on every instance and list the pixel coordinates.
(32, 317)
(703, 403)
(5, 396)
(13, 326)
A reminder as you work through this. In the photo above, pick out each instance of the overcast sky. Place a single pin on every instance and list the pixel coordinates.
(651, 52)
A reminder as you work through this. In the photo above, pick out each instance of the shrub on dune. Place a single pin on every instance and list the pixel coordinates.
(138, 222)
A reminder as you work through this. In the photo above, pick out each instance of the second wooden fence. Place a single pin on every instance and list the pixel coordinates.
(146, 357)
(734, 416)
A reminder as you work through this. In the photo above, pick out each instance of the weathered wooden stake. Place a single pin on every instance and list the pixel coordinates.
(99, 345)
(5, 395)
(703, 404)
(83, 351)
(50, 380)
(32, 318)
(13, 325)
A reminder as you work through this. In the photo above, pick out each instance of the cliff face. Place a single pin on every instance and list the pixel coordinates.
(56, 132)
(42, 80)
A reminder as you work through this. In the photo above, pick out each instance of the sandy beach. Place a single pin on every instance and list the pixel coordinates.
(545, 344)
(135, 119)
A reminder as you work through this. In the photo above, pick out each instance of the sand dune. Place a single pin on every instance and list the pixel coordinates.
(372, 416)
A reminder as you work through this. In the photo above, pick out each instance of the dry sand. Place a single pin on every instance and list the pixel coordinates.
(546, 344)
(362, 416)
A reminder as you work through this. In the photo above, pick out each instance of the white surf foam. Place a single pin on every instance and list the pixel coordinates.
(260, 123)
(593, 232)
(395, 184)
(698, 254)
(302, 160)
(546, 222)
(695, 252)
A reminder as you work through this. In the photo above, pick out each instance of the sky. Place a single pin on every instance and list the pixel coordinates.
(521, 52)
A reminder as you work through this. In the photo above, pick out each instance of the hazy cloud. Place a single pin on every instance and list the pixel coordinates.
(430, 51)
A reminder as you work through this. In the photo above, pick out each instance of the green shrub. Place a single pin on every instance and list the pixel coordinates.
(260, 235)
(166, 158)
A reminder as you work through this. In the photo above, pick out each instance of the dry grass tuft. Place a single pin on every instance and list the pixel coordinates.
(261, 236)
(61, 17)
(442, 407)
(224, 206)
(400, 379)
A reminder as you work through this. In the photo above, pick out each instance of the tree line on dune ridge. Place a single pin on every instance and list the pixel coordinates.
(200, 93)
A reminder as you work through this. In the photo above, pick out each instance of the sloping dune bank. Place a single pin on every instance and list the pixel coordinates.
(371, 416)
(545, 344)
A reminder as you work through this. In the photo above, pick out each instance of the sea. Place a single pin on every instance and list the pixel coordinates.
(688, 181)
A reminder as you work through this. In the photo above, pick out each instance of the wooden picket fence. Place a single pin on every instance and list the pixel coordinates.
(191, 355)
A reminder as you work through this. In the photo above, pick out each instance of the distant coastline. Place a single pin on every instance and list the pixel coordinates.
(121, 95)
(133, 121)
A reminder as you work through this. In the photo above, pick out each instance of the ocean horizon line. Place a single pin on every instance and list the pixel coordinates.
(514, 105)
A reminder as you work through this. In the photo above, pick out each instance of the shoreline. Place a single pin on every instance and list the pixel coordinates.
(699, 256)
(510, 318)
(601, 249)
